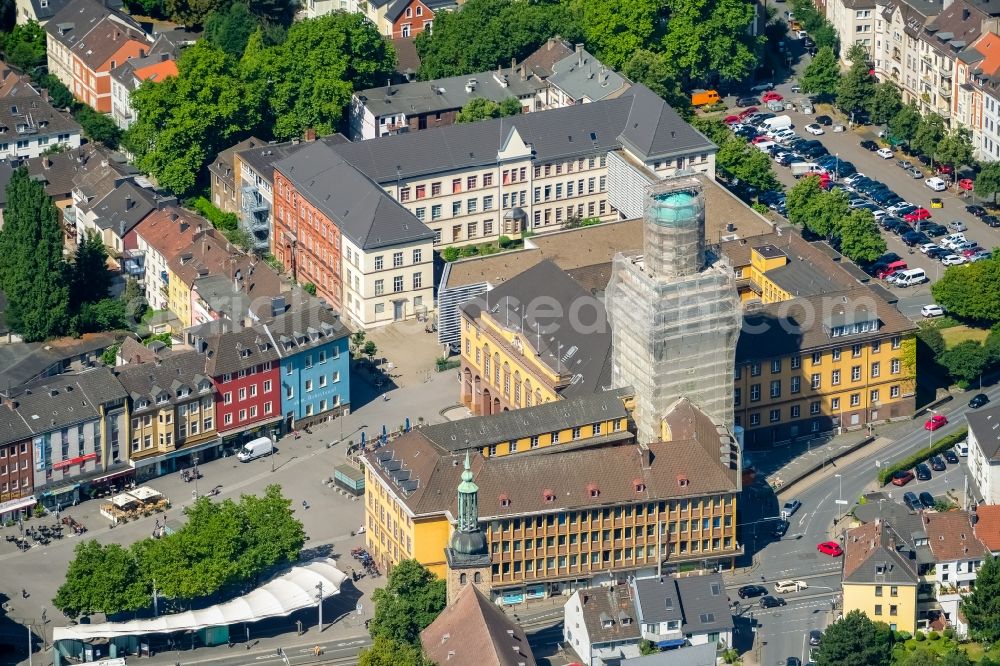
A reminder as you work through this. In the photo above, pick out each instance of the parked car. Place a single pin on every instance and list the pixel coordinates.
(747, 101)
(979, 255)
(771, 602)
(952, 260)
(826, 121)
(884, 153)
(927, 500)
(771, 96)
(912, 502)
(868, 144)
(952, 240)
(950, 457)
(751, 591)
(991, 220)
(978, 400)
(815, 129)
(780, 529)
(975, 211)
(786, 586)
(923, 472)
(918, 214)
(915, 172)
(831, 548)
(815, 637)
(937, 464)
(957, 225)
(932, 310)
(790, 507)
(938, 253)
(935, 422)
(902, 477)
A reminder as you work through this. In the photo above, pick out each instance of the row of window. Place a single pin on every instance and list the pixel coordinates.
(13, 450)
(815, 407)
(227, 418)
(616, 534)
(816, 381)
(397, 283)
(545, 217)
(817, 357)
(13, 467)
(24, 484)
(308, 384)
(244, 391)
(397, 258)
(470, 182)
(471, 231)
(575, 433)
(549, 192)
(471, 207)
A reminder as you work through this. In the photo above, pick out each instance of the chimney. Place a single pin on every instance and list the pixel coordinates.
(128, 202)
(310, 134)
(579, 54)
(513, 64)
(44, 92)
(47, 163)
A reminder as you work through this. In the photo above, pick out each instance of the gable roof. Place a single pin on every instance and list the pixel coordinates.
(223, 166)
(705, 604)
(24, 362)
(875, 553)
(985, 426)
(542, 61)
(361, 209)
(554, 335)
(29, 111)
(147, 68)
(43, 12)
(473, 631)
(958, 25)
(582, 76)
(167, 375)
(93, 32)
(125, 207)
(63, 400)
(639, 118)
(951, 537)
(605, 611)
(987, 526)
(169, 230)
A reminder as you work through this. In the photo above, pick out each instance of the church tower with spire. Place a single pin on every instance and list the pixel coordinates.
(467, 554)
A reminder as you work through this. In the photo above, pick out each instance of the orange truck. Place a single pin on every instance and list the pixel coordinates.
(703, 97)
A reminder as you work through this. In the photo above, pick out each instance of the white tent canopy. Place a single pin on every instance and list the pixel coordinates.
(144, 493)
(297, 589)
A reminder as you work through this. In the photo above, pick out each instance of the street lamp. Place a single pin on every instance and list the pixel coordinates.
(194, 460)
(319, 597)
(840, 494)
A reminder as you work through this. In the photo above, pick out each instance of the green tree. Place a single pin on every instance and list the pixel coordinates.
(385, 651)
(801, 200)
(905, 123)
(192, 13)
(988, 180)
(821, 76)
(98, 126)
(109, 314)
(855, 640)
(357, 341)
(885, 103)
(489, 33)
(33, 272)
(135, 299)
(982, 606)
(711, 38)
(922, 656)
(971, 291)
(857, 87)
(308, 79)
(955, 148)
(59, 94)
(825, 36)
(90, 279)
(151, 8)
(480, 108)
(741, 160)
(659, 74)
(24, 45)
(955, 657)
(408, 603)
(271, 532)
(965, 361)
(929, 133)
(829, 210)
(616, 29)
(101, 579)
(369, 350)
(230, 29)
(713, 128)
(860, 239)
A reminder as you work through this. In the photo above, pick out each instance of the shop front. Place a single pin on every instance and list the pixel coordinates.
(189, 456)
(234, 439)
(15, 509)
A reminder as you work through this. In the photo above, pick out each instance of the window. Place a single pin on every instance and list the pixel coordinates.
(776, 388)
(755, 369)
(796, 410)
(456, 208)
(835, 404)
(309, 386)
(379, 260)
(876, 369)
(894, 366)
(817, 358)
(418, 280)
(856, 373)
(417, 256)
(878, 609)
(775, 415)
(893, 591)
(404, 194)
(754, 392)
(737, 397)
(379, 287)
(796, 384)
(893, 609)
(894, 392)
(878, 590)
(856, 350)
(397, 259)
(814, 407)
(397, 283)
(796, 362)
(227, 398)
(755, 419)
(835, 377)
(775, 366)
(456, 185)
(836, 354)
(896, 341)
(267, 386)
(855, 399)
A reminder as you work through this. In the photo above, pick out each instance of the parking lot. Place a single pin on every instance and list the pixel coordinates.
(847, 147)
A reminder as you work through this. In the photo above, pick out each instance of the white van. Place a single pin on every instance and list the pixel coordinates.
(778, 122)
(765, 146)
(910, 277)
(254, 449)
(800, 169)
(936, 184)
(963, 448)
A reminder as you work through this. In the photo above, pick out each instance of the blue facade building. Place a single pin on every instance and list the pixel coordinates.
(314, 364)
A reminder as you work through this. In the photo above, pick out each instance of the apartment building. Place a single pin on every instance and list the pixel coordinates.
(30, 126)
(85, 41)
(172, 413)
(16, 466)
(622, 508)
(881, 575)
(958, 554)
(129, 75)
(854, 21)
(978, 98)
(899, 29)
(984, 452)
(817, 350)
(393, 18)
(40, 11)
(223, 175)
(160, 237)
(337, 229)
(515, 355)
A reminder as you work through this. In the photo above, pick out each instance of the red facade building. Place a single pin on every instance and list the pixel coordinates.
(306, 241)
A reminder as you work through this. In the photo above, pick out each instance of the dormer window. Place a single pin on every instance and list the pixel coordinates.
(682, 481)
(245, 353)
(548, 496)
(504, 500)
(142, 404)
(162, 398)
(184, 392)
(593, 491)
(639, 485)
(204, 386)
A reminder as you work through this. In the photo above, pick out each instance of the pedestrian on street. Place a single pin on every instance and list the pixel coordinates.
(24, 593)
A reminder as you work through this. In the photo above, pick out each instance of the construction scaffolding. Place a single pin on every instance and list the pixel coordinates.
(674, 312)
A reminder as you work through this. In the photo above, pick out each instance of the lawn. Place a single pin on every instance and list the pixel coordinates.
(956, 334)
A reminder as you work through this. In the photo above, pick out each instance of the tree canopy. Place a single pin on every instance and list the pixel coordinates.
(480, 108)
(24, 45)
(930, 130)
(388, 652)
(860, 239)
(709, 38)
(658, 73)
(971, 290)
(615, 29)
(904, 124)
(855, 640)
(101, 579)
(955, 148)
(408, 603)
(821, 76)
(988, 181)
(885, 103)
(739, 159)
(856, 88)
(982, 606)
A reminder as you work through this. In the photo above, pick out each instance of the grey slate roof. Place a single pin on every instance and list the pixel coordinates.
(657, 599)
(23, 362)
(985, 425)
(53, 7)
(124, 207)
(361, 209)
(480, 431)
(449, 94)
(31, 111)
(705, 604)
(703, 654)
(582, 76)
(262, 158)
(13, 427)
(554, 337)
(610, 606)
(64, 400)
(92, 31)
(638, 118)
(170, 374)
(97, 175)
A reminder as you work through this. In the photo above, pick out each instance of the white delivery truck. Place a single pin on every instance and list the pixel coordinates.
(800, 169)
(254, 449)
(778, 122)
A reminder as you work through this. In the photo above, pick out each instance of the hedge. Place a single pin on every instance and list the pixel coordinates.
(942, 444)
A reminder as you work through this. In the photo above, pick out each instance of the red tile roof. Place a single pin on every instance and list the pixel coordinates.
(951, 537)
(988, 526)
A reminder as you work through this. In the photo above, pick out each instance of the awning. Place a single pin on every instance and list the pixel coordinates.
(672, 643)
(15, 504)
(297, 589)
(114, 475)
(61, 488)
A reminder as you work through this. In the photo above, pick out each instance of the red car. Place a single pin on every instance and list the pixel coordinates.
(731, 120)
(971, 251)
(760, 139)
(902, 477)
(748, 112)
(944, 168)
(966, 184)
(917, 215)
(771, 96)
(831, 548)
(935, 422)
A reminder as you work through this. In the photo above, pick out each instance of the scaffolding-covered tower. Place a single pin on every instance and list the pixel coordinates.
(674, 312)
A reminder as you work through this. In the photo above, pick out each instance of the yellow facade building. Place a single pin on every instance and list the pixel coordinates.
(172, 413)
(881, 576)
(564, 519)
(537, 337)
